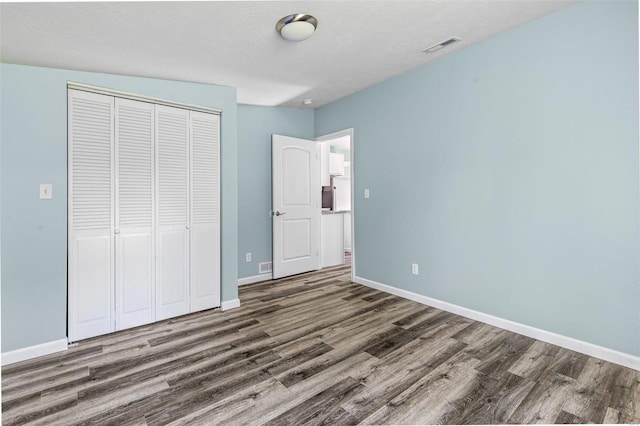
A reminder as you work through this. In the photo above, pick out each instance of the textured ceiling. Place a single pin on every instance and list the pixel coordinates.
(357, 43)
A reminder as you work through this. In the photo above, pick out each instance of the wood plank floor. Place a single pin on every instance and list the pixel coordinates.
(318, 349)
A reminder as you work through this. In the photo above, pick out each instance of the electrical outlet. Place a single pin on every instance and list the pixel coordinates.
(247, 257)
(414, 268)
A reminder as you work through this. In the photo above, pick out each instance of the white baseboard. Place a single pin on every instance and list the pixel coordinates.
(621, 358)
(35, 351)
(255, 279)
(230, 304)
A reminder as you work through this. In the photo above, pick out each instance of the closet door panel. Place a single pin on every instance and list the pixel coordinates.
(134, 203)
(174, 246)
(205, 267)
(172, 201)
(90, 214)
(135, 279)
(93, 296)
(205, 210)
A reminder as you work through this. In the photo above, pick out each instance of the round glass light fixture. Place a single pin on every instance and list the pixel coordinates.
(297, 27)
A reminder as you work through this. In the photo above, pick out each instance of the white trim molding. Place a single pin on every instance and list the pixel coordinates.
(229, 304)
(127, 95)
(351, 133)
(255, 279)
(620, 358)
(35, 351)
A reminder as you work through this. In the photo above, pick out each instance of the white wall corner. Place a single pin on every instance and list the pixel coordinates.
(255, 279)
(35, 351)
(620, 358)
(229, 304)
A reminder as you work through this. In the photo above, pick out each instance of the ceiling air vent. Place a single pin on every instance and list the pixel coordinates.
(442, 44)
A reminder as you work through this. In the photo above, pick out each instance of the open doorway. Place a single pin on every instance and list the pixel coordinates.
(337, 181)
(308, 236)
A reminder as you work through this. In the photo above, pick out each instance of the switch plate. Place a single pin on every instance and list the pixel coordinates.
(46, 191)
(414, 268)
(247, 257)
(366, 193)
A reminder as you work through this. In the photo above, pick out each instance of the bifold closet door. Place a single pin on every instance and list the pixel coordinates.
(205, 210)
(91, 212)
(144, 212)
(134, 201)
(172, 201)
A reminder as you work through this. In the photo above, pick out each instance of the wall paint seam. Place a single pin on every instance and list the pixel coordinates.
(616, 357)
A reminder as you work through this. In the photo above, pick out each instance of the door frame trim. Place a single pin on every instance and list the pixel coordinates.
(335, 135)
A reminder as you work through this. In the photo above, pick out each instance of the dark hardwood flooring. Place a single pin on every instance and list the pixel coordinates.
(318, 349)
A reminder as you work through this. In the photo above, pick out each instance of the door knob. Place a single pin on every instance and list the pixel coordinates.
(277, 213)
(116, 231)
(188, 226)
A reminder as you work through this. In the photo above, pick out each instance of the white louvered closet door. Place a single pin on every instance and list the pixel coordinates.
(205, 211)
(172, 201)
(91, 260)
(134, 202)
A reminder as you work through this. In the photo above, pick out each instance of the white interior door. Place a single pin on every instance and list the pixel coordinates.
(296, 205)
(91, 251)
(134, 195)
(205, 210)
(172, 198)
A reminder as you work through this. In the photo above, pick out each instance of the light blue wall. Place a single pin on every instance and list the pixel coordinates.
(34, 150)
(509, 172)
(255, 126)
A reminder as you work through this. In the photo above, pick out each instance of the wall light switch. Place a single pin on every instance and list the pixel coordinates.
(414, 268)
(366, 193)
(46, 191)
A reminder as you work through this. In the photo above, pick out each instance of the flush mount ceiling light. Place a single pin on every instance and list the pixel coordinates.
(297, 27)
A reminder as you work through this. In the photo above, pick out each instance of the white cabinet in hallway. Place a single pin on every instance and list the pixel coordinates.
(332, 239)
(325, 177)
(347, 231)
(144, 237)
(336, 164)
